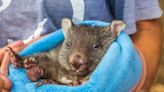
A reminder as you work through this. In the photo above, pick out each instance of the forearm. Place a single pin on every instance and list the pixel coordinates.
(148, 40)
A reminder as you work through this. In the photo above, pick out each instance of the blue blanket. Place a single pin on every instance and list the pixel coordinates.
(119, 70)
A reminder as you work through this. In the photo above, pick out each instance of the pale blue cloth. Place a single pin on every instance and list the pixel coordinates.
(119, 70)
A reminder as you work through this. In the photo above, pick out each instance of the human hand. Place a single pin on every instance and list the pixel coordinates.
(5, 83)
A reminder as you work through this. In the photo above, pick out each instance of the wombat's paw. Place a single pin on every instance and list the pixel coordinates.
(34, 73)
(46, 81)
(30, 62)
(16, 60)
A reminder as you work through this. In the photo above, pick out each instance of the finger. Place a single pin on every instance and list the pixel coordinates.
(4, 71)
(32, 40)
(16, 44)
(1, 84)
(25, 44)
(13, 45)
(2, 51)
(6, 82)
(1, 56)
(5, 64)
(5, 91)
(20, 48)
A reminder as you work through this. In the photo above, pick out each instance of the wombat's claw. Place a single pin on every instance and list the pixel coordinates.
(45, 81)
(15, 59)
(34, 73)
(15, 62)
(30, 62)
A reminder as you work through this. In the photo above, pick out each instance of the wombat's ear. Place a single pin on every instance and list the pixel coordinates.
(117, 26)
(66, 25)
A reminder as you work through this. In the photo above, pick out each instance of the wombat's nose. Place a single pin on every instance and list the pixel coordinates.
(78, 62)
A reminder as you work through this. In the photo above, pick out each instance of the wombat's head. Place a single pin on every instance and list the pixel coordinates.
(84, 46)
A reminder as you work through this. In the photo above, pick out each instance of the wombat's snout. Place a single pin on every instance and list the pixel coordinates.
(78, 64)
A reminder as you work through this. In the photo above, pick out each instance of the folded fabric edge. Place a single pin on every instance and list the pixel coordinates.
(140, 83)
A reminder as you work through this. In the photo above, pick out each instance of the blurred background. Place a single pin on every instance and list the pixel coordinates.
(158, 85)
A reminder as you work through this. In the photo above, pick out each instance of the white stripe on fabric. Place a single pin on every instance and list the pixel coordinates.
(78, 7)
(37, 31)
(5, 4)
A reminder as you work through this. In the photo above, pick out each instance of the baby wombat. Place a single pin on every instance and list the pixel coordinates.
(72, 62)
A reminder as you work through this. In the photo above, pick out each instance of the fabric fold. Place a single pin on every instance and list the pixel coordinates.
(119, 70)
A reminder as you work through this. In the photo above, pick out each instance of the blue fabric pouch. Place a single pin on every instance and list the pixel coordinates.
(119, 70)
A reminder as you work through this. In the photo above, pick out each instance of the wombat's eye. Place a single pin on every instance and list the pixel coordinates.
(68, 45)
(96, 46)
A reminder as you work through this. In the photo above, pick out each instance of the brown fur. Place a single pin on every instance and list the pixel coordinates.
(72, 62)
